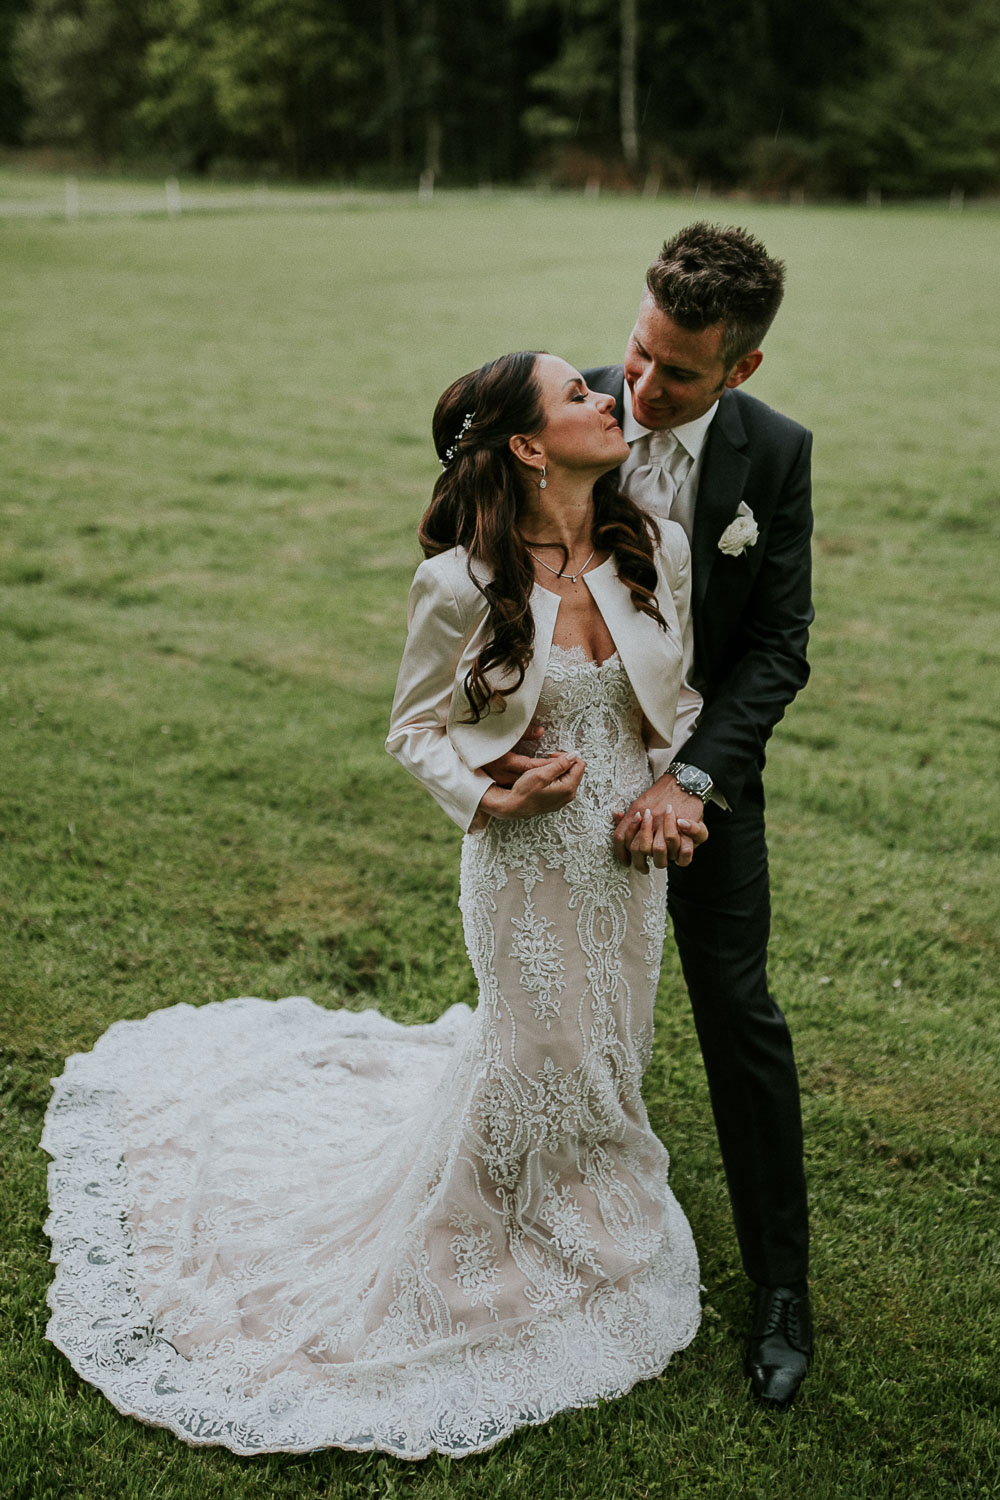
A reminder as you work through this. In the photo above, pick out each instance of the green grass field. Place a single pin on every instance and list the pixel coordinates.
(215, 451)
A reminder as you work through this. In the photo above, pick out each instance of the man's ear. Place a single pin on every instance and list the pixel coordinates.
(744, 368)
(528, 449)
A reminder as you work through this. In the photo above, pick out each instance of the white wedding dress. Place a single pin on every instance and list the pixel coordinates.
(281, 1227)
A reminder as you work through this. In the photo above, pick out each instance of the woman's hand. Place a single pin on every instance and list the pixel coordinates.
(509, 767)
(550, 784)
(651, 834)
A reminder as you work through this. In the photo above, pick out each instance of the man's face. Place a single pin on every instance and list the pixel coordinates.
(676, 375)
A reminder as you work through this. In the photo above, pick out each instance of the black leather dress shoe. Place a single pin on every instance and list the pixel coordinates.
(780, 1344)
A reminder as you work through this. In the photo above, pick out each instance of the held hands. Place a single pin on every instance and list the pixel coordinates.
(548, 784)
(664, 824)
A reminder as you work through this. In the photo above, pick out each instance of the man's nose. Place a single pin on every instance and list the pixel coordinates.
(647, 386)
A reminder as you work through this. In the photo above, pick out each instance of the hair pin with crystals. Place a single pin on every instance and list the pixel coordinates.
(449, 453)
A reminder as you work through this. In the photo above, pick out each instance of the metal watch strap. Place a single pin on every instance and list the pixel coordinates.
(677, 768)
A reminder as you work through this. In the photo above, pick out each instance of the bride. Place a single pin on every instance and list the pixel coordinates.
(281, 1227)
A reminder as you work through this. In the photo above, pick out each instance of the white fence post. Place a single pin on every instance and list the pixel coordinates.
(173, 188)
(72, 198)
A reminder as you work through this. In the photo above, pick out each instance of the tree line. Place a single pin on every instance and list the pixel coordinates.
(851, 96)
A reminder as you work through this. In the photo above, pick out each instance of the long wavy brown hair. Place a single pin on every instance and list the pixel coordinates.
(477, 503)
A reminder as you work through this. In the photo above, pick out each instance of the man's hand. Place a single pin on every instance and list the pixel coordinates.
(550, 783)
(509, 767)
(664, 824)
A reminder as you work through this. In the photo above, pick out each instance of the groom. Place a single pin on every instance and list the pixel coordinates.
(735, 475)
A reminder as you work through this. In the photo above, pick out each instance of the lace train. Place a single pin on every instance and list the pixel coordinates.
(279, 1227)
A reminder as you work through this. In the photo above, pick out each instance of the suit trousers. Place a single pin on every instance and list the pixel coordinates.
(721, 912)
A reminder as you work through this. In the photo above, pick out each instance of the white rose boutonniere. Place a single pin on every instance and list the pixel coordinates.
(739, 534)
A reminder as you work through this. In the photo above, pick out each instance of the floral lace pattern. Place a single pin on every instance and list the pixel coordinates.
(537, 950)
(279, 1227)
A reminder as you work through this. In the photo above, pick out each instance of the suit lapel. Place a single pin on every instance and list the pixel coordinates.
(720, 489)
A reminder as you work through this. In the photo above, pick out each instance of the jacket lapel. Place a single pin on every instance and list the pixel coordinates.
(653, 660)
(498, 732)
(544, 609)
(642, 647)
(720, 489)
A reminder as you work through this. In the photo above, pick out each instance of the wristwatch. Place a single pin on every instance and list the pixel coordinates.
(696, 783)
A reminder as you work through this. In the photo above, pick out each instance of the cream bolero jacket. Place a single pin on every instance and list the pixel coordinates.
(447, 628)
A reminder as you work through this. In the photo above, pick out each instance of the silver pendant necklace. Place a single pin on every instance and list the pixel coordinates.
(571, 576)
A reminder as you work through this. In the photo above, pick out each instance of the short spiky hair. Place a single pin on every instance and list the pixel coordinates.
(713, 274)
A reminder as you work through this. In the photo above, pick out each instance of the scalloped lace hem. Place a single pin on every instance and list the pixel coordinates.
(459, 1396)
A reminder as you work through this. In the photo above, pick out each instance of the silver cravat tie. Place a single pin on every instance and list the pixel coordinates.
(654, 484)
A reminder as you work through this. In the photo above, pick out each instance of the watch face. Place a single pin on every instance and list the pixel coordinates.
(697, 783)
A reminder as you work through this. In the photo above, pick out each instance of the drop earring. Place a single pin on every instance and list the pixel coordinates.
(543, 482)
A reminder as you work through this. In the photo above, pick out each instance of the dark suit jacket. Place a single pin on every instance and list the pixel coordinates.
(751, 613)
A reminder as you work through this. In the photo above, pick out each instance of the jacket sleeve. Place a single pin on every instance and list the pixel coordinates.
(769, 666)
(418, 726)
(689, 700)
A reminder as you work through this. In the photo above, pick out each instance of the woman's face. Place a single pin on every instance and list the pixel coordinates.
(580, 431)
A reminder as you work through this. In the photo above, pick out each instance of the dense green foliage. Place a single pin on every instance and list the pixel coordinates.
(216, 448)
(13, 105)
(844, 98)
